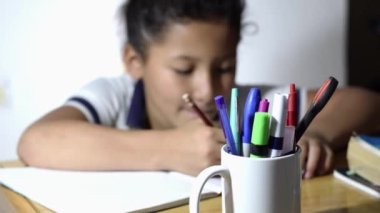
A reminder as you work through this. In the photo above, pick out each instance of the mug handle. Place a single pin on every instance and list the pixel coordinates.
(201, 180)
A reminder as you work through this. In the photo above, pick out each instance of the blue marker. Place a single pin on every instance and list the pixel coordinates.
(223, 116)
(250, 108)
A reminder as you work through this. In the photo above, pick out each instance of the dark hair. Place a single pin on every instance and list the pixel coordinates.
(146, 20)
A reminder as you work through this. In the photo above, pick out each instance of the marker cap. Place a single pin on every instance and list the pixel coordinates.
(260, 130)
(279, 110)
(250, 108)
(264, 105)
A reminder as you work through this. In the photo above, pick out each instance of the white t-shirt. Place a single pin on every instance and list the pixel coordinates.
(105, 101)
(119, 101)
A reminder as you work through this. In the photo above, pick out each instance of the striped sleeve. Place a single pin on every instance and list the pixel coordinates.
(101, 100)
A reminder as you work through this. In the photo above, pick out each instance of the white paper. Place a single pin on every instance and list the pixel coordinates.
(74, 191)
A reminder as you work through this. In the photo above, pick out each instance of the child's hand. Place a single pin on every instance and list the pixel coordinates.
(199, 147)
(316, 156)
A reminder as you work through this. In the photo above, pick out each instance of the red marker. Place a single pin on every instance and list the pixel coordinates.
(292, 107)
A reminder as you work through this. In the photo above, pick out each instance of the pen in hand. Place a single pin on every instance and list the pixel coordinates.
(320, 100)
(186, 97)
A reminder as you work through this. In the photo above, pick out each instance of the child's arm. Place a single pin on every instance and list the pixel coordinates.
(350, 109)
(64, 139)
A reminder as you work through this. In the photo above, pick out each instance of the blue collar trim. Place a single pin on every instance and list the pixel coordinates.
(137, 117)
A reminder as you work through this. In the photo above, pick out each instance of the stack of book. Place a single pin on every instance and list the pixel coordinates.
(363, 156)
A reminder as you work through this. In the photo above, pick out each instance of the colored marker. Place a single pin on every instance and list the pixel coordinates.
(264, 105)
(250, 108)
(260, 135)
(292, 106)
(277, 124)
(191, 103)
(234, 119)
(224, 121)
(320, 100)
(288, 145)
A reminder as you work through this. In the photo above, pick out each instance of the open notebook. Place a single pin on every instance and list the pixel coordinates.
(74, 191)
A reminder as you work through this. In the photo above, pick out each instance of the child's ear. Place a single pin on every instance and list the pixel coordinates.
(133, 62)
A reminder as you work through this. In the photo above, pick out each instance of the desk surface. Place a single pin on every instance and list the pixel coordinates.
(322, 194)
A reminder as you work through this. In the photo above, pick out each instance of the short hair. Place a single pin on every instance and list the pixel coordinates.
(145, 21)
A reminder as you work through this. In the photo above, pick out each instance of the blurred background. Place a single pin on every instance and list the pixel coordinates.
(50, 48)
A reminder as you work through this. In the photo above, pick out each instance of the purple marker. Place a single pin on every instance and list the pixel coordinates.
(225, 123)
(264, 105)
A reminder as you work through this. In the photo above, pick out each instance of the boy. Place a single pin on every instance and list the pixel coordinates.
(139, 122)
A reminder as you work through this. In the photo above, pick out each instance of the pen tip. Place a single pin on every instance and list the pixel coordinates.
(219, 100)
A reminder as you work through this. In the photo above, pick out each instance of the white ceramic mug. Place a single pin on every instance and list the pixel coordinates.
(263, 185)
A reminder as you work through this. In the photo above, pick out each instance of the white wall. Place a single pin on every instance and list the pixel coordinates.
(293, 41)
(49, 48)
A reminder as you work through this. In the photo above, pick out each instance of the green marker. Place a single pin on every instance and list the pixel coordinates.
(260, 135)
(234, 119)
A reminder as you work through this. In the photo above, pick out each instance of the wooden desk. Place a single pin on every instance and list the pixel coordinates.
(322, 194)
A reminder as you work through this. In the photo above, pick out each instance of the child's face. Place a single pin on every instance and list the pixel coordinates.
(196, 58)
